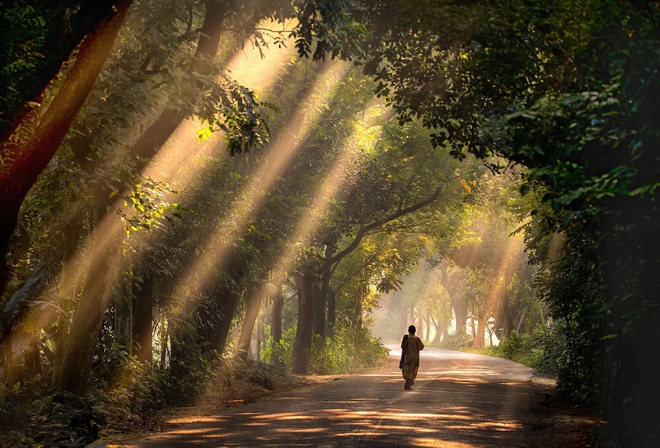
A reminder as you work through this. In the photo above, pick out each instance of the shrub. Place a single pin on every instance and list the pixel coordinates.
(542, 349)
(457, 341)
(279, 352)
(348, 350)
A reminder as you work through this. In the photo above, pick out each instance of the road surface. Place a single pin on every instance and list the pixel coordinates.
(458, 400)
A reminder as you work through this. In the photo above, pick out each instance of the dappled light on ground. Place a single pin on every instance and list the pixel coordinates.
(458, 400)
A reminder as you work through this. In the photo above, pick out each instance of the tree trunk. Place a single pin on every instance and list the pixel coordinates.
(303, 344)
(164, 355)
(332, 312)
(142, 325)
(252, 308)
(326, 292)
(260, 339)
(157, 134)
(357, 310)
(460, 310)
(480, 335)
(123, 308)
(507, 317)
(58, 51)
(27, 162)
(318, 305)
(276, 329)
(88, 316)
(217, 335)
(428, 324)
(438, 331)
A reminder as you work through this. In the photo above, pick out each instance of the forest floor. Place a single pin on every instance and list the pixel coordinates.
(460, 400)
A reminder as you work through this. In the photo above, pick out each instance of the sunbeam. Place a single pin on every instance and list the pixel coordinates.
(309, 223)
(279, 156)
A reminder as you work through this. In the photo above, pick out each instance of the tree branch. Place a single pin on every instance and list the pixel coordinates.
(366, 228)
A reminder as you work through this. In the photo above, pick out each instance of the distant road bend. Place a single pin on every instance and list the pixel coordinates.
(459, 400)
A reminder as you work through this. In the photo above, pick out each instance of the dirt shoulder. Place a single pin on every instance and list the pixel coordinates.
(245, 384)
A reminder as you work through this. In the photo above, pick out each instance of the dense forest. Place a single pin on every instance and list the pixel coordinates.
(186, 184)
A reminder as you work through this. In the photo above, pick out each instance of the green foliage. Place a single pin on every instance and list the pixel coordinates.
(541, 349)
(237, 112)
(69, 418)
(348, 350)
(280, 352)
(327, 28)
(138, 390)
(457, 341)
(37, 38)
(36, 414)
(149, 209)
(192, 365)
(571, 285)
(569, 90)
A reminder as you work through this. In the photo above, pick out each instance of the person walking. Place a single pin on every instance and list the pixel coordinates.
(411, 345)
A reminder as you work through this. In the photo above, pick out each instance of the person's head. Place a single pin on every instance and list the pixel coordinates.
(412, 329)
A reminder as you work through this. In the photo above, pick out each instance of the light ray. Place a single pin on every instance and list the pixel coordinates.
(328, 191)
(254, 194)
(252, 71)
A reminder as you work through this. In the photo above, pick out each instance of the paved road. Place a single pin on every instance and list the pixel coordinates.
(459, 400)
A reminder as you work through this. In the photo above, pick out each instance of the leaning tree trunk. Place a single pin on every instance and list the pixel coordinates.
(27, 162)
(217, 335)
(87, 319)
(155, 136)
(252, 308)
(58, 49)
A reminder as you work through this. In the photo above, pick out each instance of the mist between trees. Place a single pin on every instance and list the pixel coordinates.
(190, 183)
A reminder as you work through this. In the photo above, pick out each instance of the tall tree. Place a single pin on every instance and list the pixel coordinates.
(26, 160)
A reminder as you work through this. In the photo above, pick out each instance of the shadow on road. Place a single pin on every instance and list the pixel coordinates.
(459, 400)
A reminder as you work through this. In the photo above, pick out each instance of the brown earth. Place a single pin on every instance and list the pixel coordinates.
(459, 400)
